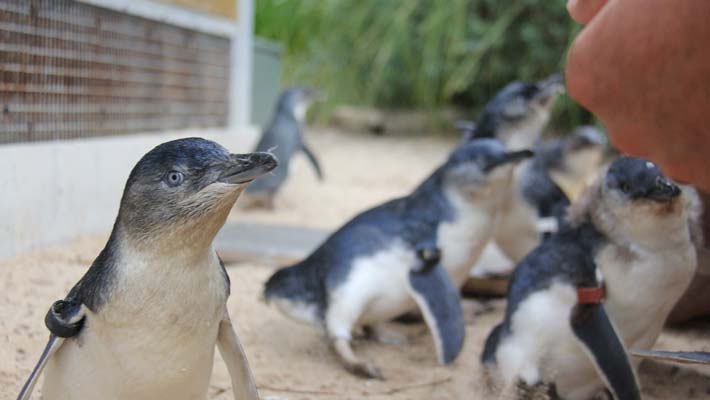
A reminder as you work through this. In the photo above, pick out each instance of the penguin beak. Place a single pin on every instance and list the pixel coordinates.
(550, 88)
(664, 190)
(508, 158)
(244, 168)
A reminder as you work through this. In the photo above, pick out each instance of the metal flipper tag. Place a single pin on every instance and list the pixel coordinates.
(52, 346)
(682, 357)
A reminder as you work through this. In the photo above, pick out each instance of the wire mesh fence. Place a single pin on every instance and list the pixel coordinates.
(72, 70)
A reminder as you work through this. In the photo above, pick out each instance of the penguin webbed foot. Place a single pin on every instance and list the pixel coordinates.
(366, 370)
(353, 364)
(603, 395)
(538, 391)
(387, 336)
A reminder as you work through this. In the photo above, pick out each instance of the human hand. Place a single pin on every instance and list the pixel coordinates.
(583, 11)
(641, 67)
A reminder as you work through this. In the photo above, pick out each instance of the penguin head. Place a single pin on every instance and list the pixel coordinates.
(297, 99)
(517, 114)
(583, 152)
(187, 184)
(639, 195)
(481, 165)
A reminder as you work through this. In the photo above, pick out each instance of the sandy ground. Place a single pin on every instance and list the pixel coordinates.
(291, 360)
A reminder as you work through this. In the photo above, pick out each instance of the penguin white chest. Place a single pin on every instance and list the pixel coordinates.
(643, 287)
(517, 232)
(462, 240)
(153, 338)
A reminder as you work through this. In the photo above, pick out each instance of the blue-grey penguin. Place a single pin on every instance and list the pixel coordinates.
(284, 138)
(517, 115)
(602, 285)
(411, 251)
(143, 322)
(575, 157)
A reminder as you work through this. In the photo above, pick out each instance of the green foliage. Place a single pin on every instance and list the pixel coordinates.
(420, 53)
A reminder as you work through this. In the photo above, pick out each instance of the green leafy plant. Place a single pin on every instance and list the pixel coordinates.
(420, 53)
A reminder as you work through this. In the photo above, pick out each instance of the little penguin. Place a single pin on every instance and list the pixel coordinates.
(142, 323)
(576, 156)
(408, 252)
(576, 160)
(284, 138)
(517, 115)
(602, 285)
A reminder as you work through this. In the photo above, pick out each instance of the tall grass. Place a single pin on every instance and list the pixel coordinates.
(420, 53)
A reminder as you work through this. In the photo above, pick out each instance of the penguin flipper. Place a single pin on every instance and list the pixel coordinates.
(313, 160)
(682, 357)
(439, 301)
(53, 344)
(592, 327)
(230, 348)
(64, 319)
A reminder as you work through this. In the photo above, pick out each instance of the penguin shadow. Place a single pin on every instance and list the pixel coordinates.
(660, 380)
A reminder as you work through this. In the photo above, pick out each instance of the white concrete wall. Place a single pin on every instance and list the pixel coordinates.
(55, 191)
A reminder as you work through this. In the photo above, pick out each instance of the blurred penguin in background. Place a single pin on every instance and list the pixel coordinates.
(574, 159)
(516, 115)
(284, 138)
(559, 171)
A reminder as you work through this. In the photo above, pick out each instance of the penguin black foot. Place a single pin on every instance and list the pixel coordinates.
(354, 365)
(539, 391)
(366, 370)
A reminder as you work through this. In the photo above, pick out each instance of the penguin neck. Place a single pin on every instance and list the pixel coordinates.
(298, 113)
(643, 228)
(191, 238)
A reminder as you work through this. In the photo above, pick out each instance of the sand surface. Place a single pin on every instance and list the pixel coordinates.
(294, 361)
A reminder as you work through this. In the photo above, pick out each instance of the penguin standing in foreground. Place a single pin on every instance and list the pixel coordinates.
(408, 252)
(604, 284)
(144, 320)
(284, 138)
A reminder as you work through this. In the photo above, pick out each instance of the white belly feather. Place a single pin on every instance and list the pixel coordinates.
(375, 291)
(517, 232)
(462, 241)
(153, 339)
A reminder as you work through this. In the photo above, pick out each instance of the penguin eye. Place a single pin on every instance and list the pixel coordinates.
(625, 187)
(174, 178)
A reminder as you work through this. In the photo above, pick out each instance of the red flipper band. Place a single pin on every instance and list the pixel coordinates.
(591, 295)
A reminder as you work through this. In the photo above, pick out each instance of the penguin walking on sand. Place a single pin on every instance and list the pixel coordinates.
(144, 320)
(284, 138)
(602, 285)
(408, 252)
